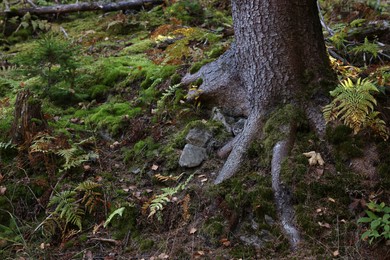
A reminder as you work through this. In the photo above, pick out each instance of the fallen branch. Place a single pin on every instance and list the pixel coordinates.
(80, 7)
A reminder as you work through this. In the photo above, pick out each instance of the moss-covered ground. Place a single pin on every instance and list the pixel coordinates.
(117, 119)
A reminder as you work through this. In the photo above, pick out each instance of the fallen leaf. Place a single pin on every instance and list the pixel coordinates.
(325, 225)
(318, 210)
(1, 177)
(193, 231)
(225, 242)
(319, 159)
(155, 167)
(201, 176)
(87, 167)
(314, 158)
(42, 246)
(336, 253)
(331, 200)
(203, 180)
(163, 256)
(2, 190)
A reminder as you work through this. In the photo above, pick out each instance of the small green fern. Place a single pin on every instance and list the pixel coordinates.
(353, 104)
(158, 203)
(72, 159)
(367, 47)
(67, 208)
(7, 146)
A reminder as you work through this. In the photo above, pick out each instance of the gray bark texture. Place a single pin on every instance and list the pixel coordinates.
(278, 58)
(79, 7)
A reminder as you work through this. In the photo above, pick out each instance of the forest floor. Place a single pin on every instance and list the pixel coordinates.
(95, 174)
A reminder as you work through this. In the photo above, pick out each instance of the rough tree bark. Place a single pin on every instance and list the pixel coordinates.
(79, 7)
(278, 58)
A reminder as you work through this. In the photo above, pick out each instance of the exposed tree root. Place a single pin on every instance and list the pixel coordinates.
(239, 148)
(221, 85)
(284, 208)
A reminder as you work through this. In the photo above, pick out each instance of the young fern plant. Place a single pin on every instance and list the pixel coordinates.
(158, 203)
(353, 105)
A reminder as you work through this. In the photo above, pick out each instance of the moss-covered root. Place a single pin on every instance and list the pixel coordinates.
(283, 201)
(240, 147)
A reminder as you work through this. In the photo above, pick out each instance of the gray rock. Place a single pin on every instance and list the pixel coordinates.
(192, 156)
(265, 235)
(218, 116)
(252, 240)
(270, 221)
(198, 137)
(238, 126)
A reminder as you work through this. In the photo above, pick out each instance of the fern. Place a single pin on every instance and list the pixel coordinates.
(367, 47)
(71, 158)
(67, 208)
(42, 143)
(157, 204)
(91, 197)
(354, 106)
(6, 146)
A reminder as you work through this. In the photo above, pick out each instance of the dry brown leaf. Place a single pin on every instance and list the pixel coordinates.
(336, 253)
(203, 180)
(193, 231)
(225, 242)
(331, 200)
(155, 167)
(1, 177)
(163, 256)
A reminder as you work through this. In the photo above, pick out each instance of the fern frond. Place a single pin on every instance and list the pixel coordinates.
(87, 185)
(67, 208)
(71, 157)
(352, 103)
(158, 203)
(91, 198)
(41, 143)
(6, 146)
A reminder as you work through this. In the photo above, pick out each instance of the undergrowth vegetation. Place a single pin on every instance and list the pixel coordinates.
(96, 170)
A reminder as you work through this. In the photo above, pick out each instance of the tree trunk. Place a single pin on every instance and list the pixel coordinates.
(278, 58)
(70, 8)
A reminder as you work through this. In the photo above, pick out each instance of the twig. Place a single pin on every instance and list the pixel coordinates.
(116, 242)
(31, 3)
(330, 31)
(64, 32)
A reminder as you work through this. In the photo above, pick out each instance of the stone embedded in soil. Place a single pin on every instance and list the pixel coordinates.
(192, 156)
(238, 126)
(198, 137)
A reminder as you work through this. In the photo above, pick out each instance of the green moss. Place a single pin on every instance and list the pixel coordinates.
(347, 145)
(145, 244)
(275, 127)
(243, 252)
(197, 65)
(98, 92)
(190, 12)
(139, 45)
(215, 52)
(62, 95)
(175, 79)
(214, 228)
(142, 150)
(111, 116)
(121, 226)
